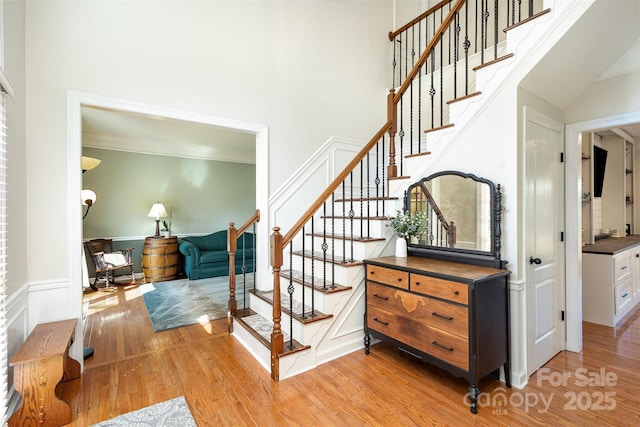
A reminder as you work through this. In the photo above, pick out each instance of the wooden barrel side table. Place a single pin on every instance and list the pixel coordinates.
(160, 258)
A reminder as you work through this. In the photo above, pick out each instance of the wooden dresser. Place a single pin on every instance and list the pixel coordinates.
(453, 315)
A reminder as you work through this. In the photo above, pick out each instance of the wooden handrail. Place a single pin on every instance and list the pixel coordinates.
(254, 218)
(334, 185)
(427, 51)
(448, 226)
(232, 246)
(414, 21)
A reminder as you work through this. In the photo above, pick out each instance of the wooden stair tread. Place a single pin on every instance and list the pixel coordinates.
(447, 126)
(318, 282)
(525, 20)
(347, 237)
(495, 61)
(297, 309)
(320, 257)
(366, 199)
(265, 338)
(359, 218)
(462, 98)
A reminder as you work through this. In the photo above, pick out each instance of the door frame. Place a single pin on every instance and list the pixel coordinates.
(75, 101)
(573, 215)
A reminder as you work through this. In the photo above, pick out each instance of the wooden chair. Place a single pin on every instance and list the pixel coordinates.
(106, 260)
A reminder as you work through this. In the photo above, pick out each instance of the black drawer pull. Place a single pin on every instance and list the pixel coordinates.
(456, 292)
(441, 316)
(383, 298)
(437, 344)
(417, 283)
(380, 321)
(399, 279)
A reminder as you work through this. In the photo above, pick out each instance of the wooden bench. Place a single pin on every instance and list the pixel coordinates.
(38, 366)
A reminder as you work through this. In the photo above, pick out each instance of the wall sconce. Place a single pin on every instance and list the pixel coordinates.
(158, 211)
(89, 163)
(88, 199)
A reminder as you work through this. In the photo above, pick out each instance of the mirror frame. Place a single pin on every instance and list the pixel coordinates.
(490, 258)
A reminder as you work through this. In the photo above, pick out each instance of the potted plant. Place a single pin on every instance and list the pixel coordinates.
(406, 225)
(166, 228)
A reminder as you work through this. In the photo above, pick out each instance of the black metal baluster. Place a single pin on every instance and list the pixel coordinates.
(432, 91)
(393, 65)
(420, 93)
(333, 243)
(384, 184)
(441, 85)
(290, 291)
(344, 223)
(467, 43)
(368, 196)
(325, 246)
(495, 29)
(456, 25)
(377, 182)
(313, 270)
(361, 197)
(304, 254)
(351, 212)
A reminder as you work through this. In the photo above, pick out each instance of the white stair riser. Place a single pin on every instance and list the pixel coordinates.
(357, 250)
(370, 228)
(343, 275)
(369, 208)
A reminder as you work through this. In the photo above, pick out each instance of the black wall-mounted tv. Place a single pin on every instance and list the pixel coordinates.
(599, 164)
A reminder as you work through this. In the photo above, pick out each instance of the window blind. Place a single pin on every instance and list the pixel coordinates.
(3, 254)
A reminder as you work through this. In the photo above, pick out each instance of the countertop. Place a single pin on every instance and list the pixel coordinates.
(612, 245)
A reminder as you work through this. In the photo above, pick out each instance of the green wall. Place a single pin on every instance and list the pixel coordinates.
(204, 195)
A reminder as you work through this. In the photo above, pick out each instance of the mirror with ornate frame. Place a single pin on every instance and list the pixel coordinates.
(463, 217)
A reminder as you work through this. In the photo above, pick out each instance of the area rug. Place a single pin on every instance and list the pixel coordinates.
(188, 302)
(172, 413)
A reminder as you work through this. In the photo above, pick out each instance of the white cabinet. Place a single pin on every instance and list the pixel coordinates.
(610, 285)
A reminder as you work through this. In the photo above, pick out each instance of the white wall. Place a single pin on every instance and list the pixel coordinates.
(307, 70)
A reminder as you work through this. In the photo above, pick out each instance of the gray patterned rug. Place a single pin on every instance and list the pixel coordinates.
(188, 302)
(172, 413)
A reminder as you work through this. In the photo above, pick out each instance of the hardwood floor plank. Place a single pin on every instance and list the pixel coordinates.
(133, 367)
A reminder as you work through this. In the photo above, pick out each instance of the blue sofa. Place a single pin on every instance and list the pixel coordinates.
(207, 256)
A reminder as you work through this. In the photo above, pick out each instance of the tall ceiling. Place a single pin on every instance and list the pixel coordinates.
(125, 131)
(559, 78)
(604, 43)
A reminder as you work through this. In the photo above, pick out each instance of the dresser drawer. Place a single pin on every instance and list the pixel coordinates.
(445, 346)
(439, 314)
(622, 295)
(388, 276)
(439, 288)
(621, 266)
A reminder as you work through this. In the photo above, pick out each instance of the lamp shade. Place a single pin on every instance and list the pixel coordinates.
(157, 211)
(88, 197)
(89, 163)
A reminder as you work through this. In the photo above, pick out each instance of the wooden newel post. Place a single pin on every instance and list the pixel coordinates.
(232, 247)
(277, 339)
(392, 117)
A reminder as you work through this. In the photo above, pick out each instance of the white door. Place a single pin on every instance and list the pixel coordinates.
(544, 139)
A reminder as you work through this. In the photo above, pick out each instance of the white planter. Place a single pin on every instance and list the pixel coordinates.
(401, 247)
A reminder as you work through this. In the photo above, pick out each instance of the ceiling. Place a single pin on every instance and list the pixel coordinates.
(140, 133)
(559, 78)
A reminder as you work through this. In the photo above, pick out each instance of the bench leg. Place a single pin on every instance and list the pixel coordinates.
(36, 382)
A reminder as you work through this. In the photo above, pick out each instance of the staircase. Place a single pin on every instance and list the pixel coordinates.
(314, 312)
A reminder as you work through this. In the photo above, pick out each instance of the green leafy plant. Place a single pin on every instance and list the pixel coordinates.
(165, 226)
(407, 224)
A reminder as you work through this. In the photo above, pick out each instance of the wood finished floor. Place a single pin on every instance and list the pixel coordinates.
(134, 367)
